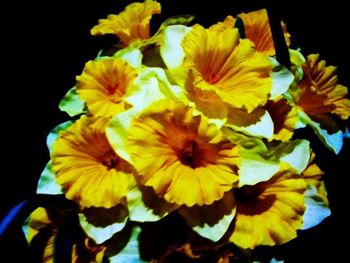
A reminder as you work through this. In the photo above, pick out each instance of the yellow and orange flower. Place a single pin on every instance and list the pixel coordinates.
(103, 85)
(87, 167)
(131, 24)
(320, 92)
(227, 67)
(173, 149)
(270, 212)
(257, 29)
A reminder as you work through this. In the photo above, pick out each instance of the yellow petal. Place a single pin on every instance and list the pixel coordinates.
(257, 29)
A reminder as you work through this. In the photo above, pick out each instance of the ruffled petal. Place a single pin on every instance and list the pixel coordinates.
(131, 24)
(269, 213)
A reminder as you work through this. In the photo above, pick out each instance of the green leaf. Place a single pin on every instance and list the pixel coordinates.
(131, 251)
(316, 208)
(177, 20)
(72, 104)
(297, 60)
(47, 182)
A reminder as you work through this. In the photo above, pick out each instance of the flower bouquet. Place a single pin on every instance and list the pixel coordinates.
(182, 144)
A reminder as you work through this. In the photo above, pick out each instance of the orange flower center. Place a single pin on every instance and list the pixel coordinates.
(195, 152)
(252, 200)
(116, 92)
(212, 78)
(188, 155)
(110, 160)
(248, 193)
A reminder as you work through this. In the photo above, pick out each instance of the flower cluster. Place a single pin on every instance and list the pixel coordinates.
(184, 141)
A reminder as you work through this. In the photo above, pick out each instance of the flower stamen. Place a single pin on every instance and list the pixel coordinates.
(189, 154)
(110, 160)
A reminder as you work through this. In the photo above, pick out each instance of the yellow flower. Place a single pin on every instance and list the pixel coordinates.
(131, 24)
(172, 149)
(284, 118)
(41, 231)
(270, 212)
(87, 167)
(224, 66)
(320, 92)
(257, 29)
(103, 85)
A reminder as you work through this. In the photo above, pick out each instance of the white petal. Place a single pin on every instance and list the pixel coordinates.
(100, 234)
(171, 49)
(132, 55)
(298, 158)
(72, 104)
(131, 252)
(263, 128)
(281, 79)
(316, 209)
(333, 141)
(152, 85)
(215, 232)
(47, 182)
(256, 169)
(117, 132)
(51, 138)
(138, 211)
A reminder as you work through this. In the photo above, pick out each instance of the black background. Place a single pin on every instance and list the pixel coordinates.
(45, 44)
